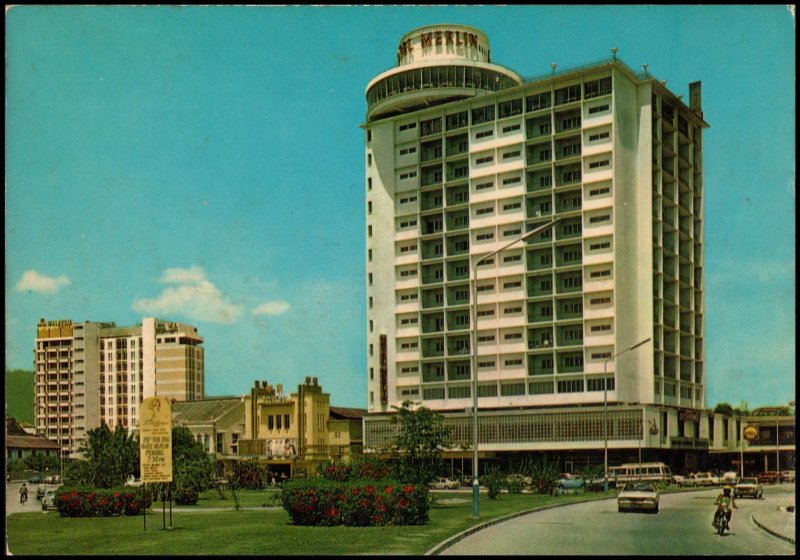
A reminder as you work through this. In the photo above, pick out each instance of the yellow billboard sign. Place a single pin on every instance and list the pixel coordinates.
(155, 440)
(750, 433)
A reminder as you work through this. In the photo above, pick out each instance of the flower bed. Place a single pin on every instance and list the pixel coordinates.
(98, 502)
(356, 503)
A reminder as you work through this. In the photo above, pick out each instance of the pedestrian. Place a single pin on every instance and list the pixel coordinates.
(23, 493)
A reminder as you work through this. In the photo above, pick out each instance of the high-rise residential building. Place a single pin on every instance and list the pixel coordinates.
(463, 157)
(90, 373)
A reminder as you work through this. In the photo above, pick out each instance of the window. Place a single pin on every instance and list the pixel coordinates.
(597, 384)
(573, 334)
(595, 88)
(571, 150)
(270, 422)
(599, 136)
(600, 301)
(511, 285)
(512, 180)
(484, 211)
(545, 128)
(571, 229)
(486, 313)
(568, 94)
(572, 282)
(484, 236)
(571, 176)
(601, 355)
(545, 155)
(512, 258)
(600, 328)
(598, 109)
(512, 206)
(483, 114)
(406, 151)
(409, 175)
(484, 134)
(458, 120)
(485, 159)
(573, 361)
(571, 123)
(510, 108)
(512, 232)
(600, 191)
(601, 218)
(487, 364)
(512, 389)
(598, 164)
(570, 256)
(369, 183)
(599, 246)
(485, 288)
(540, 388)
(546, 181)
(369, 160)
(512, 128)
(509, 155)
(537, 101)
(408, 126)
(483, 186)
(513, 311)
(432, 126)
(513, 336)
(600, 273)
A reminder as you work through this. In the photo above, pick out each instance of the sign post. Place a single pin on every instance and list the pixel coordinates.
(155, 442)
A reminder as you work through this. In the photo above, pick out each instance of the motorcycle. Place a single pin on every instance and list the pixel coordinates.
(721, 519)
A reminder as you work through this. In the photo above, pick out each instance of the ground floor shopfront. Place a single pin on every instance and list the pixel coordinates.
(686, 440)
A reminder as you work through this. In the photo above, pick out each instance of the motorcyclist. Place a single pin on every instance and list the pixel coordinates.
(726, 500)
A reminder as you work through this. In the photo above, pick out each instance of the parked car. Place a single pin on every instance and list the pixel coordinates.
(638, 496)
(678, 479)
(769, 477)
(749, 486)
(714, 478)
(699, 479)
(442, 483)
(35, 478)
(567, 481)
(730, 477)
(788, 476)
(523, 482)
(49, 499)
(42, 488)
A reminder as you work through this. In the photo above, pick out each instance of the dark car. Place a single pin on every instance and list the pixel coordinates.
(769, 477)
(35, 479)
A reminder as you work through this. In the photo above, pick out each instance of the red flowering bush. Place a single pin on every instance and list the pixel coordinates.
(96, 502)
(320, 501)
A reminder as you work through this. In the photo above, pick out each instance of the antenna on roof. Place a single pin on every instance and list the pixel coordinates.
(553, 66)
(614, 53)
(645, 69)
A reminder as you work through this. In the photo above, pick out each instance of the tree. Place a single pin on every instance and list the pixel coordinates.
(417, 449)
(111, 456)
(192, 467)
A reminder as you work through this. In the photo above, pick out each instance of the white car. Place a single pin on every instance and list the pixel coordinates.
(730, 477)
(442, 483)
(49, 499)
(638, 496)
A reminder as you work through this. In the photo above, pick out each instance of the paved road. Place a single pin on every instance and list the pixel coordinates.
(682, 527)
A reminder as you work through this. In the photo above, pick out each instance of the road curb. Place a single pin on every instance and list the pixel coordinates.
(467, 532)
(766, 529)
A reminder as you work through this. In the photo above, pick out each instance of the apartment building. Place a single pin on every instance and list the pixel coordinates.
(463, 157)
(89, 373)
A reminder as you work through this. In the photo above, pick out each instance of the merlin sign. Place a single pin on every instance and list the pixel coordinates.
(429, 38)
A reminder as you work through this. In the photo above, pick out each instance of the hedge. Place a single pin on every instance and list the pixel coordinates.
(97, 502)
(355, 503)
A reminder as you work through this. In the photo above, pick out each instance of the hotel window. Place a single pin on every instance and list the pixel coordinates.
(432, 126)
(483, 114)
(568, 94)
(484, 211)
(512, 128)
(514, 154)
(545, 128)
(600, 301)
(601, 163)
(537, 101)
(512, 258)
(485, 159)
(481, 186)
(599, 246)
(484, 134)
(512, 232)
(286, 421)
(601, 218)
(406, 151)
(545, 155)
(485, 288)
(513, 336)
(512, 206)
(595, 88)
(572, 282)
(601, 273)
(601, 355)
(484, 236)
(512, 389)
(546, 181)
(571, 150)
(599, 136)
(510, 108)
(458, 120)
(270, 422)
(570, 123)
(408, 126)
(540, 388)
(571, 176)
(487, 364)
(600, 328)
(512, 285)
(573, 361)
(600, 191)
(369, 160)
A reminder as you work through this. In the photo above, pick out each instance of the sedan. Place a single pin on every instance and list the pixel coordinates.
(444, 484)
(788, 476)
(568, 481)
(748, 487)
(638, 496)
(49, 499)
(769, 477)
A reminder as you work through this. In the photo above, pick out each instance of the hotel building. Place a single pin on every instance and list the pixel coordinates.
(464, 156)
(87, 374)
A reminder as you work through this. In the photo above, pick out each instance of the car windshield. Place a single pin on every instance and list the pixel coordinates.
(747, 481)
(638, 487)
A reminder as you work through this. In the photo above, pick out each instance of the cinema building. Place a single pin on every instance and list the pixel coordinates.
(464, 157)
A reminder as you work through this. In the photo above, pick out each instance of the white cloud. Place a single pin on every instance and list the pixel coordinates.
(32, 281)
(272, 308)
(193, 296)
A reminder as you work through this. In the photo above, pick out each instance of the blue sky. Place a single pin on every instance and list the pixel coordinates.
(205, 165)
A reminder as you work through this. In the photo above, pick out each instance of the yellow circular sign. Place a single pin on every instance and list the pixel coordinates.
(750, 432)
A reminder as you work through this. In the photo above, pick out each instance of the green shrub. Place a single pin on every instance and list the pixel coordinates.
(324, 502)
(186, 496)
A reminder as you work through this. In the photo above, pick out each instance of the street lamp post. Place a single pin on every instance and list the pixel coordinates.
(474, 352)
(605, 409)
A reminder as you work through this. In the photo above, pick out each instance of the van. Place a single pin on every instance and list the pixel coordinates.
(651, 472)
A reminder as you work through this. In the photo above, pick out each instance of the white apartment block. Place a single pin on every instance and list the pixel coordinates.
(90, 373)
(464, 156)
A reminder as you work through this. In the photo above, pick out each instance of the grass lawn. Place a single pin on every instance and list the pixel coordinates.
(248, 532)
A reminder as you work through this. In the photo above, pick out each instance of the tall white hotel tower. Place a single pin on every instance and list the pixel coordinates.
(462, 157)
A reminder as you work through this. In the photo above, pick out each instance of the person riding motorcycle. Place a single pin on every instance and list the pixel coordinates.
(724, 502)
